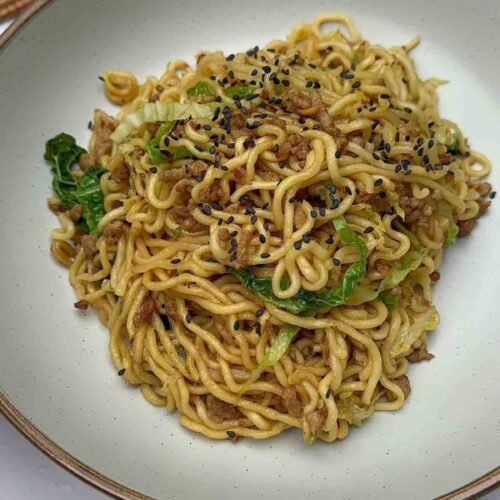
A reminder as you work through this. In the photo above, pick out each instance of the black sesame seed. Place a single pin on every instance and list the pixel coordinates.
(281, 164)
(230, 219)
(314, 214)
(376, 156)
(387, 147)
(378, 182)
(223, 167)
(121, 372)
(328, 393)
(407, 110)
(397, 168)
(420, 141)
(259, 312)
(262, 238)
(230, 57)
(265, 255)
(233, 258)
(322, 212)
(329, 240)
(336, 262)
(166, 141)
(175, 261)
(236, 325)
(335, 204)
(338, 154)
(420, 152)
(493, 194)
(291, 199)
(430, 143)
(348, 190)
(253, 219)
(254, 125)
(346, 75)
(369, 229)
(101, 78)
(316, 126)
(153, 170)
(266, 69)
(385, 96)
(231, 434)
(258, 327)
(356, 85)
(219, 222)
(188, 318)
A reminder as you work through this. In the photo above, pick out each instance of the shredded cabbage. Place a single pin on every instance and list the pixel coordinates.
(355, 414)
(159, 112)
(411, 261)
(279, 346)
(425, 322)
(408, 263)
(444, 209)
(447, 136)
(394, 199)
(201, 89)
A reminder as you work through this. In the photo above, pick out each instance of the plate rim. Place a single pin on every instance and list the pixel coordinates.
(473, 489)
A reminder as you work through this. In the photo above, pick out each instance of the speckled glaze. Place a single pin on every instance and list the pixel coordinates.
(54, 365)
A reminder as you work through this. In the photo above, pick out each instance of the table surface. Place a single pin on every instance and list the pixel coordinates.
(26, 473)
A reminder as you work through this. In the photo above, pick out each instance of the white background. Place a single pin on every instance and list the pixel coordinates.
(26, 473)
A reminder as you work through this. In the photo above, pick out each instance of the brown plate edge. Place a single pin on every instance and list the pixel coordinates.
(473, 489)
(63, 458)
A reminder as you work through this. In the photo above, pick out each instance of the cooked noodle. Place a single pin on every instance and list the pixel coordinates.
(325, 128)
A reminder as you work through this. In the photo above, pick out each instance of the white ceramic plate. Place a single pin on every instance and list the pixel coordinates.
(54, 365)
